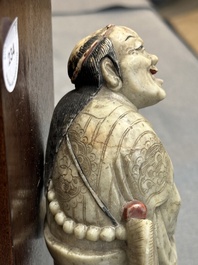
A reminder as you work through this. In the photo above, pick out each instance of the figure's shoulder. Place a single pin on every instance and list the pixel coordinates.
(110, 105)
(110, 119)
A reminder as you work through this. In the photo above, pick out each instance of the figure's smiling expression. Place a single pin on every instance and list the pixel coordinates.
(138, 68)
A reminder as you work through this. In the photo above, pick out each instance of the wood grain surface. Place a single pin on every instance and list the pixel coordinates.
(24, 123)
(182, 15)
(186, 25)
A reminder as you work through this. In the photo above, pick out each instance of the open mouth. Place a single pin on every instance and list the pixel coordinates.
(153, 70)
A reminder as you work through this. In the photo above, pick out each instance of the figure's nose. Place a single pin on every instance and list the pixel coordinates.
(154, 59)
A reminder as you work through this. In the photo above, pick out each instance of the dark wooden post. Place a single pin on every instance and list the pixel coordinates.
(25, 117)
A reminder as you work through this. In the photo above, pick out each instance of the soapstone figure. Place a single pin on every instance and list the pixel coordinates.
(111, 197)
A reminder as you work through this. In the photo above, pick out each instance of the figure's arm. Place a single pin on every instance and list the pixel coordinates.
(140, 235)
(149, 175)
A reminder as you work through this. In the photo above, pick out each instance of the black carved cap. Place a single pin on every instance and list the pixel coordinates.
(84, 61)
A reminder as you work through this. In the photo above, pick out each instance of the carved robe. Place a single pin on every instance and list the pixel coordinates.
(122, 158)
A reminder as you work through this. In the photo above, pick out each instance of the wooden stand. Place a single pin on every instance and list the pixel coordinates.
(25, 116)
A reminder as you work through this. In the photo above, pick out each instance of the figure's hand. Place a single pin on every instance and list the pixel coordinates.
(140, 235)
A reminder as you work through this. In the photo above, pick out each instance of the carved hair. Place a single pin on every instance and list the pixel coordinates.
(84, 63)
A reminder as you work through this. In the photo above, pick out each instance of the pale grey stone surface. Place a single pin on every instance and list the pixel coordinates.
(174, 119)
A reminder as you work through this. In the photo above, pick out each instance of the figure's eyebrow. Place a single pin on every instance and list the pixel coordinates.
(130, 36)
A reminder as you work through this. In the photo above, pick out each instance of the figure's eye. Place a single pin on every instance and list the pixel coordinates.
(141, 47)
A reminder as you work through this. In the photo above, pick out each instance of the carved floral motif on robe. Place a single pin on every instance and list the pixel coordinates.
(123, 159)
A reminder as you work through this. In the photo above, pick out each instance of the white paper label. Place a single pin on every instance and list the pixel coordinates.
(11, 56)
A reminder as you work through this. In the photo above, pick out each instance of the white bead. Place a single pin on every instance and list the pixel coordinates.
(60, 218)
(68, 226)
(93, 233)
(120, 232)
(80, 231)
(51, 195)
(54, 207)
(107, 234)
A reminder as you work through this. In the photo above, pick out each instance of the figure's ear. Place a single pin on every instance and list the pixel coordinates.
(110, 76)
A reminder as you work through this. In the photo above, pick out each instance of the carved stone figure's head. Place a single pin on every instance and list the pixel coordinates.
(84, 65)
(115, 57)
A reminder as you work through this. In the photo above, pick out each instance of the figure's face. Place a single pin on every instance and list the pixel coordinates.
(137, 68)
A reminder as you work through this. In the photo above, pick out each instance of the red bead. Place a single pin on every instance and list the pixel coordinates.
(134, 209)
